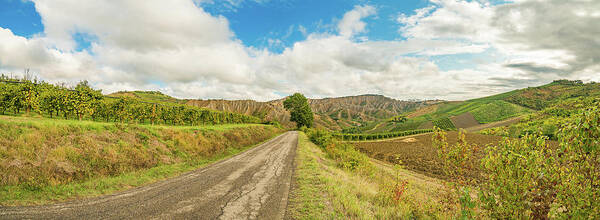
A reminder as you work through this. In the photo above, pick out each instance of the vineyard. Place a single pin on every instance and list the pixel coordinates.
(368, 137)
(444, 123)
(84, 103)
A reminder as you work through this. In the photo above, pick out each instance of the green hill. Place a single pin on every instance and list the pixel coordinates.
(149, 96)
(547, 121)
(497, 107)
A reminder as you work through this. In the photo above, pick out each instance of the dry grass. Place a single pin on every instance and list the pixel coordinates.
(40, 153)
(323, 190)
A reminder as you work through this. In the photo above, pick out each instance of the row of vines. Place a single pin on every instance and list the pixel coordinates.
(366, 137)
(444, 123)
(84, 103)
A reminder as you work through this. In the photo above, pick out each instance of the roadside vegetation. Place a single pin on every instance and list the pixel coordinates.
(45, 160)
(484, 177)
(335, 181)
(549, 168)
(59, 143)
(528, 177)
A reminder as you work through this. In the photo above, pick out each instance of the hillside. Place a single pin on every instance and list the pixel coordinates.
(148, 96)
(492, 108)
(547, 121)
(371, 113)
(330, 113)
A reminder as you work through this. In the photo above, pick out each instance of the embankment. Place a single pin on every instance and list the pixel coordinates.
(45, 160)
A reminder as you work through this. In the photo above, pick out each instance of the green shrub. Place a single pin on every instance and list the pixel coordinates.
(320, 137)
(345, 155)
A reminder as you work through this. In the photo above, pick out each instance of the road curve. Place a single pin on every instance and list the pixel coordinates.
(251, 185)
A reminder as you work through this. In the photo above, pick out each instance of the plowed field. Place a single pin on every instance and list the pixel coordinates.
(418, 154)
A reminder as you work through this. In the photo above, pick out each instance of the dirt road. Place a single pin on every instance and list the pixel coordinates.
(252, 185)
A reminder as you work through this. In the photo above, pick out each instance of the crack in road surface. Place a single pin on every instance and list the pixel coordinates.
(251, 185)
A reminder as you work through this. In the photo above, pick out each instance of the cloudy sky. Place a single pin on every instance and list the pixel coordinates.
(267, 49)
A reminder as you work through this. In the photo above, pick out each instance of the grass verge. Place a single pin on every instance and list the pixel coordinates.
(45, 160)
(324, 190)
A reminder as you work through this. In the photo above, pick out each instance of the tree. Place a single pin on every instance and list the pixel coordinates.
(30, 94)
(50, 101)
(299, 109)
(6, 93)
(83, 99)
(399, 119)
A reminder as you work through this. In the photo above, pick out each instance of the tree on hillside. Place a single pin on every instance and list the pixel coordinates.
(299, 109)
(399, 119)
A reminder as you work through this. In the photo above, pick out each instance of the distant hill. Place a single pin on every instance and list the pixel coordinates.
(148, 96)
(492, 108)
(372, 113)
(541, 97)
(330, 113)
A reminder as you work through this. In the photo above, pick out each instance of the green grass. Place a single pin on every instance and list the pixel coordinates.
(326, 191)
(498, 111)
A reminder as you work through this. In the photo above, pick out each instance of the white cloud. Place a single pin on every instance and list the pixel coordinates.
(540, 40)
(186, 52)
(352, 23)
(450, 19)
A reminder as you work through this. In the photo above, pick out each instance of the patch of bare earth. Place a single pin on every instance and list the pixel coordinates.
(464, 120)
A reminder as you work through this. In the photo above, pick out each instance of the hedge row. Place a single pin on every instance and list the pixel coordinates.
(366, 137)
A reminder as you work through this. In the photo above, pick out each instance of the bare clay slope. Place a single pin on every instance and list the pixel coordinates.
(331, 113)
(252, 185)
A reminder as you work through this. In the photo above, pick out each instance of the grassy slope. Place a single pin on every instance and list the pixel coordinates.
(547, 121)
(543, 96)
(484, 110)
(149, 96)
(44, 160)
(325, 191)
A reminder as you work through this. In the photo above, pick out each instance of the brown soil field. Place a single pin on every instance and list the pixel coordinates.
(464, 120)
(418, 154)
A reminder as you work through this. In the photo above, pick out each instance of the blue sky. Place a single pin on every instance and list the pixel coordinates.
(252, 22)
(255, 22)
(20, 17)
(266, 49)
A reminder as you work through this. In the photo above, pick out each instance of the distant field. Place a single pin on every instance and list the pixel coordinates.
(418, 154)
(451, 115)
